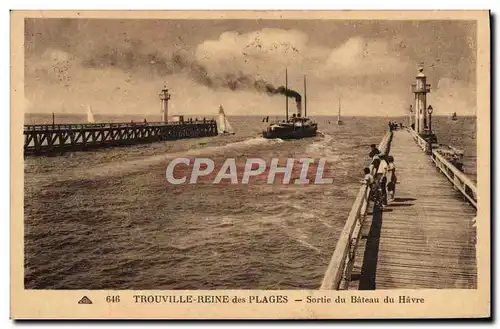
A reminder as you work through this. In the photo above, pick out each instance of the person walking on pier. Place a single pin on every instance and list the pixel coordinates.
(391, 174)
(380, 194)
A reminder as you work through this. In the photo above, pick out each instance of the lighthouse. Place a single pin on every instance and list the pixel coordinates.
(420, 89)
(164, 98)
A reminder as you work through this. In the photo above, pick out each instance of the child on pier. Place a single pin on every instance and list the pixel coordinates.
(368, 180)
(391, 174)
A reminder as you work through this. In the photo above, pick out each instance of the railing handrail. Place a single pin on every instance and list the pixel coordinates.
(438, 159)
(335, 269)
(449, 166)
(337, 266)
(456, 172)
(420, 141)
(50, 126)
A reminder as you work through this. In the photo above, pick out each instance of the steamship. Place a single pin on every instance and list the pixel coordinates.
(297, 126)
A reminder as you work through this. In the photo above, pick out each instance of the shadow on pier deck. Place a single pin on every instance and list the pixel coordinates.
(424, 238)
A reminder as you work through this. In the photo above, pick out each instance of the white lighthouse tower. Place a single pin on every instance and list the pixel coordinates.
(164, 98)
(420, 89)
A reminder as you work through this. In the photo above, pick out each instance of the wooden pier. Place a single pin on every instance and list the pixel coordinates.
(424, 239)
(60, 138)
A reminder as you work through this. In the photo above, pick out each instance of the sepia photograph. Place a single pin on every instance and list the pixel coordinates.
(252, 152)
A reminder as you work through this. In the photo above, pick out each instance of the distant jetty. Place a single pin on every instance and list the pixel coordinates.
(60, 138)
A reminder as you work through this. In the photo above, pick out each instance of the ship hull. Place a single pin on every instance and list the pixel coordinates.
(225, 133)
(290, 134)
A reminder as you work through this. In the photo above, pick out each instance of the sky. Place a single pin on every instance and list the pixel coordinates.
(119, 66)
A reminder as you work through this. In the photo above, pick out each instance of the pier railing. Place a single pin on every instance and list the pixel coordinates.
(422, 143)
(338, 273)
(459, 180)
(57, 139)
(67, 126)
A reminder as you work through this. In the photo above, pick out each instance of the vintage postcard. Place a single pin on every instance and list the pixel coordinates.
(250, 164)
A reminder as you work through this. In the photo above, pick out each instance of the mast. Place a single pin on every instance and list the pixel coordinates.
(286, 97)
(305, 97)
(339, 111)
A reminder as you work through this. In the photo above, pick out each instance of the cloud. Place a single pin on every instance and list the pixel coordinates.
(370, 75)
(52, 66)
(361, 57)
(261, 53)
(363, 64)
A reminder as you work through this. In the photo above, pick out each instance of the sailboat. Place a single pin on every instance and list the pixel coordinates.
(339, 121)
(454, 116)
(224, 127)
(90, 115)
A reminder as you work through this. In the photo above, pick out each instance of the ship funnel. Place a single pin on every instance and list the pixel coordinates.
(299, 109)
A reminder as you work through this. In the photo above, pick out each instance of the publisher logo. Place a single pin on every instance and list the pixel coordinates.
(85, 300)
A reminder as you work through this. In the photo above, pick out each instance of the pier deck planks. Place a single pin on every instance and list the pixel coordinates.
(422, 240)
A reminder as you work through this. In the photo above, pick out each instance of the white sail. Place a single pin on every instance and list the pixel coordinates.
(222, 121)
(90, 115)
(224, 127)
(229, 128)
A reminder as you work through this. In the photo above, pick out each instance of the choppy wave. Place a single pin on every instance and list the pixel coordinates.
(324, 148)
(122, 167)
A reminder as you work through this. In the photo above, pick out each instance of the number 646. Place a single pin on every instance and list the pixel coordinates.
(112, 299)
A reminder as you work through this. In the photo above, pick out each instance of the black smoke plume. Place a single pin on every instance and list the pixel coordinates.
(262, 86)
(138, 60)
(285, 91)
